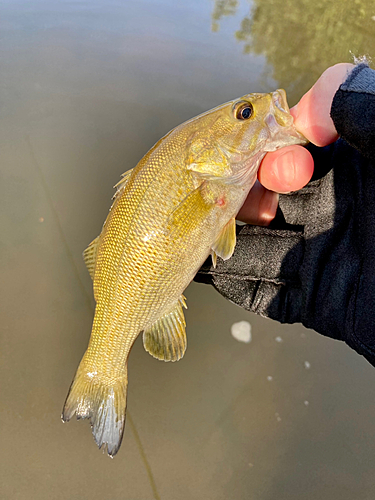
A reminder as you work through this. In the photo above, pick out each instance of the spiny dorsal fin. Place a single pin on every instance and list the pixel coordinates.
(89, 256)
(166, 338)
(122, 183)
(226, 241)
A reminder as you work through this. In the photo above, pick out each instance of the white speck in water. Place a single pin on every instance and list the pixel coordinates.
(41, 219)
(241, 331)
(269, 378)
(307, 365)
(278, 418)
(278, 339)
(373, 18)
(251, 465)
(306, 403)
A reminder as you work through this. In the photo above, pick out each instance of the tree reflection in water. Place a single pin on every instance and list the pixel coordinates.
(301, 38)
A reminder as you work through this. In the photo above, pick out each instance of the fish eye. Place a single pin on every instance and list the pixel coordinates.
(243, 110)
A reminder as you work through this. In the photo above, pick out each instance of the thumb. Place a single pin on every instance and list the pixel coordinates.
(312, 113)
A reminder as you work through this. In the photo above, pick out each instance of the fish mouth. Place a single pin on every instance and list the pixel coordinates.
(280, 108)
(279, 100)
(279, 122)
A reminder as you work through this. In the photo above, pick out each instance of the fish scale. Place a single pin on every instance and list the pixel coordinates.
(169, 213)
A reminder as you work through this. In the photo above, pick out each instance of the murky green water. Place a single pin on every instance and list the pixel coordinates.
(86, 88)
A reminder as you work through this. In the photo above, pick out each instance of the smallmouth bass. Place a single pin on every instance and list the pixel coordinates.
(169, 213)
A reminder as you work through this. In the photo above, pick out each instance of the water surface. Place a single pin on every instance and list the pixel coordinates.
(87, 88)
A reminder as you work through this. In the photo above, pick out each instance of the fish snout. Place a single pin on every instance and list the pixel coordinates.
(279, 123)
(279, 100)
(280, 108)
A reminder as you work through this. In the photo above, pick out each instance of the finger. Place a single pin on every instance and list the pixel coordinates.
(260, 206)
(312, 114)
(287, 169)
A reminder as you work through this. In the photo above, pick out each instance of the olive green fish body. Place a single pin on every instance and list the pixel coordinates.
(169, 213)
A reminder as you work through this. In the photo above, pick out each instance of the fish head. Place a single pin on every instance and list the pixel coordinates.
(230, 140)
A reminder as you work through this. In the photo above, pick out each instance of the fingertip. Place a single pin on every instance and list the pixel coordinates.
(312, 114)
(294, 112)
(260, 206)
(286, 170)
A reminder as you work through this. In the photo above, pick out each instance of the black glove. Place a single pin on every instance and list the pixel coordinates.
(315, 264)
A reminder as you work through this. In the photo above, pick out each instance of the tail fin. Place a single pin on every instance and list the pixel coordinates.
(103, 402)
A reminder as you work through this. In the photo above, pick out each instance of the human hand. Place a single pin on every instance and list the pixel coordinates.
(315, 266)
(291, 168)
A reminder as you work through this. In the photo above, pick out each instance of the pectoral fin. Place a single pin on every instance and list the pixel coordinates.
(166, 338)
(89, 256)
(206, 161)
(226, 241)
(192, 209)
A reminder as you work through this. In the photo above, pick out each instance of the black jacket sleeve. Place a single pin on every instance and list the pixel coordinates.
(353, 110)
(315, 264)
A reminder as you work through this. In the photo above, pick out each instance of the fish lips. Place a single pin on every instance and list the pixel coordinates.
(280, 126)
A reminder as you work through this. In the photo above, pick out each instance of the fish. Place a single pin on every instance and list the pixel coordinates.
(169, 214)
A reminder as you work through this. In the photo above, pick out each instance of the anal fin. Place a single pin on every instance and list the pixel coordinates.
(166, 338)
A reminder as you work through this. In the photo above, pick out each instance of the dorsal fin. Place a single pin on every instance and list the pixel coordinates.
(89, 256)
(122, 183)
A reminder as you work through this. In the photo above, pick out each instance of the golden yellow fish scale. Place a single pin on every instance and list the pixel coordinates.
(169, 213)
(142, 266)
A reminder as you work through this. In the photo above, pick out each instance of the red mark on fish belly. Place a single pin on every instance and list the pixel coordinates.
(220, 202)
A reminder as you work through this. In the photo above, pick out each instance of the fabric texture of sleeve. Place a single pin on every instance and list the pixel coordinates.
(353, 110)
(315, 264)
